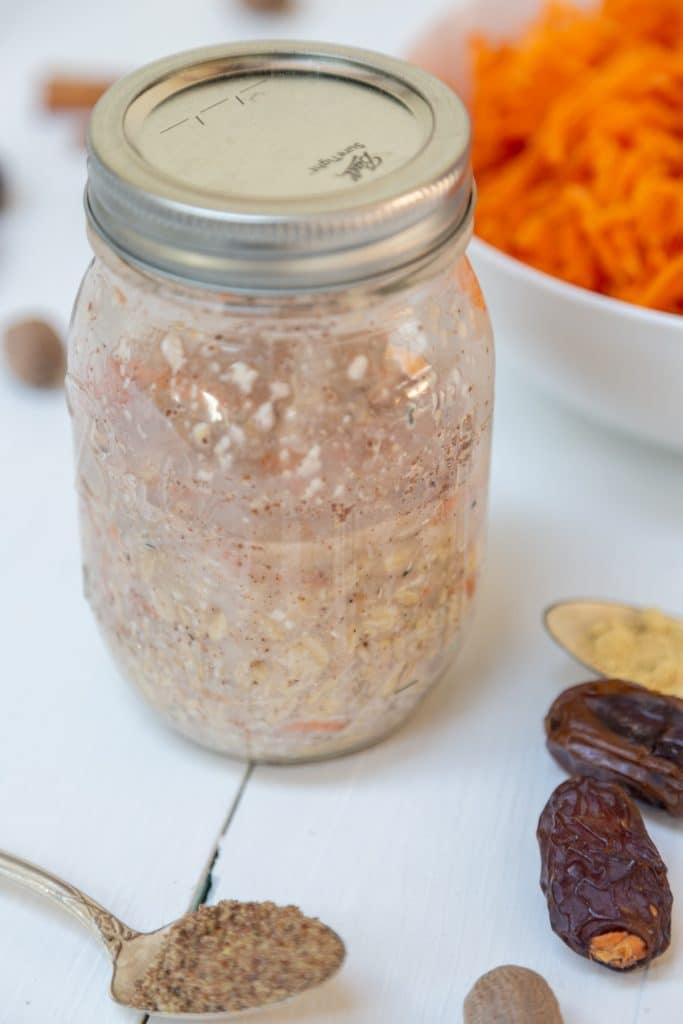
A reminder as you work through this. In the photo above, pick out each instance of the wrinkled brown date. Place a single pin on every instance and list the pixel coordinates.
(605, 883)
(621, 732)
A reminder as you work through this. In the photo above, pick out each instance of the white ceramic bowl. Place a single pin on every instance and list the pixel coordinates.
(615, 362)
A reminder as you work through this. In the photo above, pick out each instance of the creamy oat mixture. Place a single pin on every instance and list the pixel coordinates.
(282, 509)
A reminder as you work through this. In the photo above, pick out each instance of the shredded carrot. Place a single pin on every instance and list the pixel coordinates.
(411, 364)
(578, 148)
(329, 726)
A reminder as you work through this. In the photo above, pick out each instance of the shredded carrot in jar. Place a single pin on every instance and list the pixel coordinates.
(578, 148)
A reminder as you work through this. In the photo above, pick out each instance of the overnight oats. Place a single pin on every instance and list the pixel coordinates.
(282, 450)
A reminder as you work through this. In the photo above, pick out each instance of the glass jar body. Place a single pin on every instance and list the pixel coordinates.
(282, 501)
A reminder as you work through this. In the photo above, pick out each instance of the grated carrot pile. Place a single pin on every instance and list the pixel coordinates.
(578, 148)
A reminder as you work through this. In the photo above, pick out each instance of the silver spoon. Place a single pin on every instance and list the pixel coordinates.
(570, 624)
(131, 952)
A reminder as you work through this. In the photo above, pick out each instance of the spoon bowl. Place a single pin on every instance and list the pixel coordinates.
(132, 952)
(658, 643)
(138, 953)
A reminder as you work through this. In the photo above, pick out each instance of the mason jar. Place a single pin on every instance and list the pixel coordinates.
(281, 386)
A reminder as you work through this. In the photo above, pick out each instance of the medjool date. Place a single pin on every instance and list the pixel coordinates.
(604, 880)
(621, 732)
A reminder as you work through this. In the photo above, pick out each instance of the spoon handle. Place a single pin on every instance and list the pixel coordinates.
(112, 931)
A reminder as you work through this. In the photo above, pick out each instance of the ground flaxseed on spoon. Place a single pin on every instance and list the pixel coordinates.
(233, 956)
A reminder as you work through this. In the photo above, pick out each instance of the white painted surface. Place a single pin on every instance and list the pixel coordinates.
(91, 786)
(422, 851)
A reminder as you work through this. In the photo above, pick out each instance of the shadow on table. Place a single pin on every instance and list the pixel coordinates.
(507, 611)
(507, 615)
(326, 1002)
(499, 619)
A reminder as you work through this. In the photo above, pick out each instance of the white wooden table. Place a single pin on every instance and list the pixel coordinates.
(421, 852)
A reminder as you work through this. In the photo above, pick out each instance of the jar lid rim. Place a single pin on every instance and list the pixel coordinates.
(278, 165)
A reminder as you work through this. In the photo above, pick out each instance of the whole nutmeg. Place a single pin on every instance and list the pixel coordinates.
(35, 354)
(512, 995)
(274, 6)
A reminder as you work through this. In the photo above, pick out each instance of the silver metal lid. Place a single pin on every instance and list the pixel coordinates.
(278, 166)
